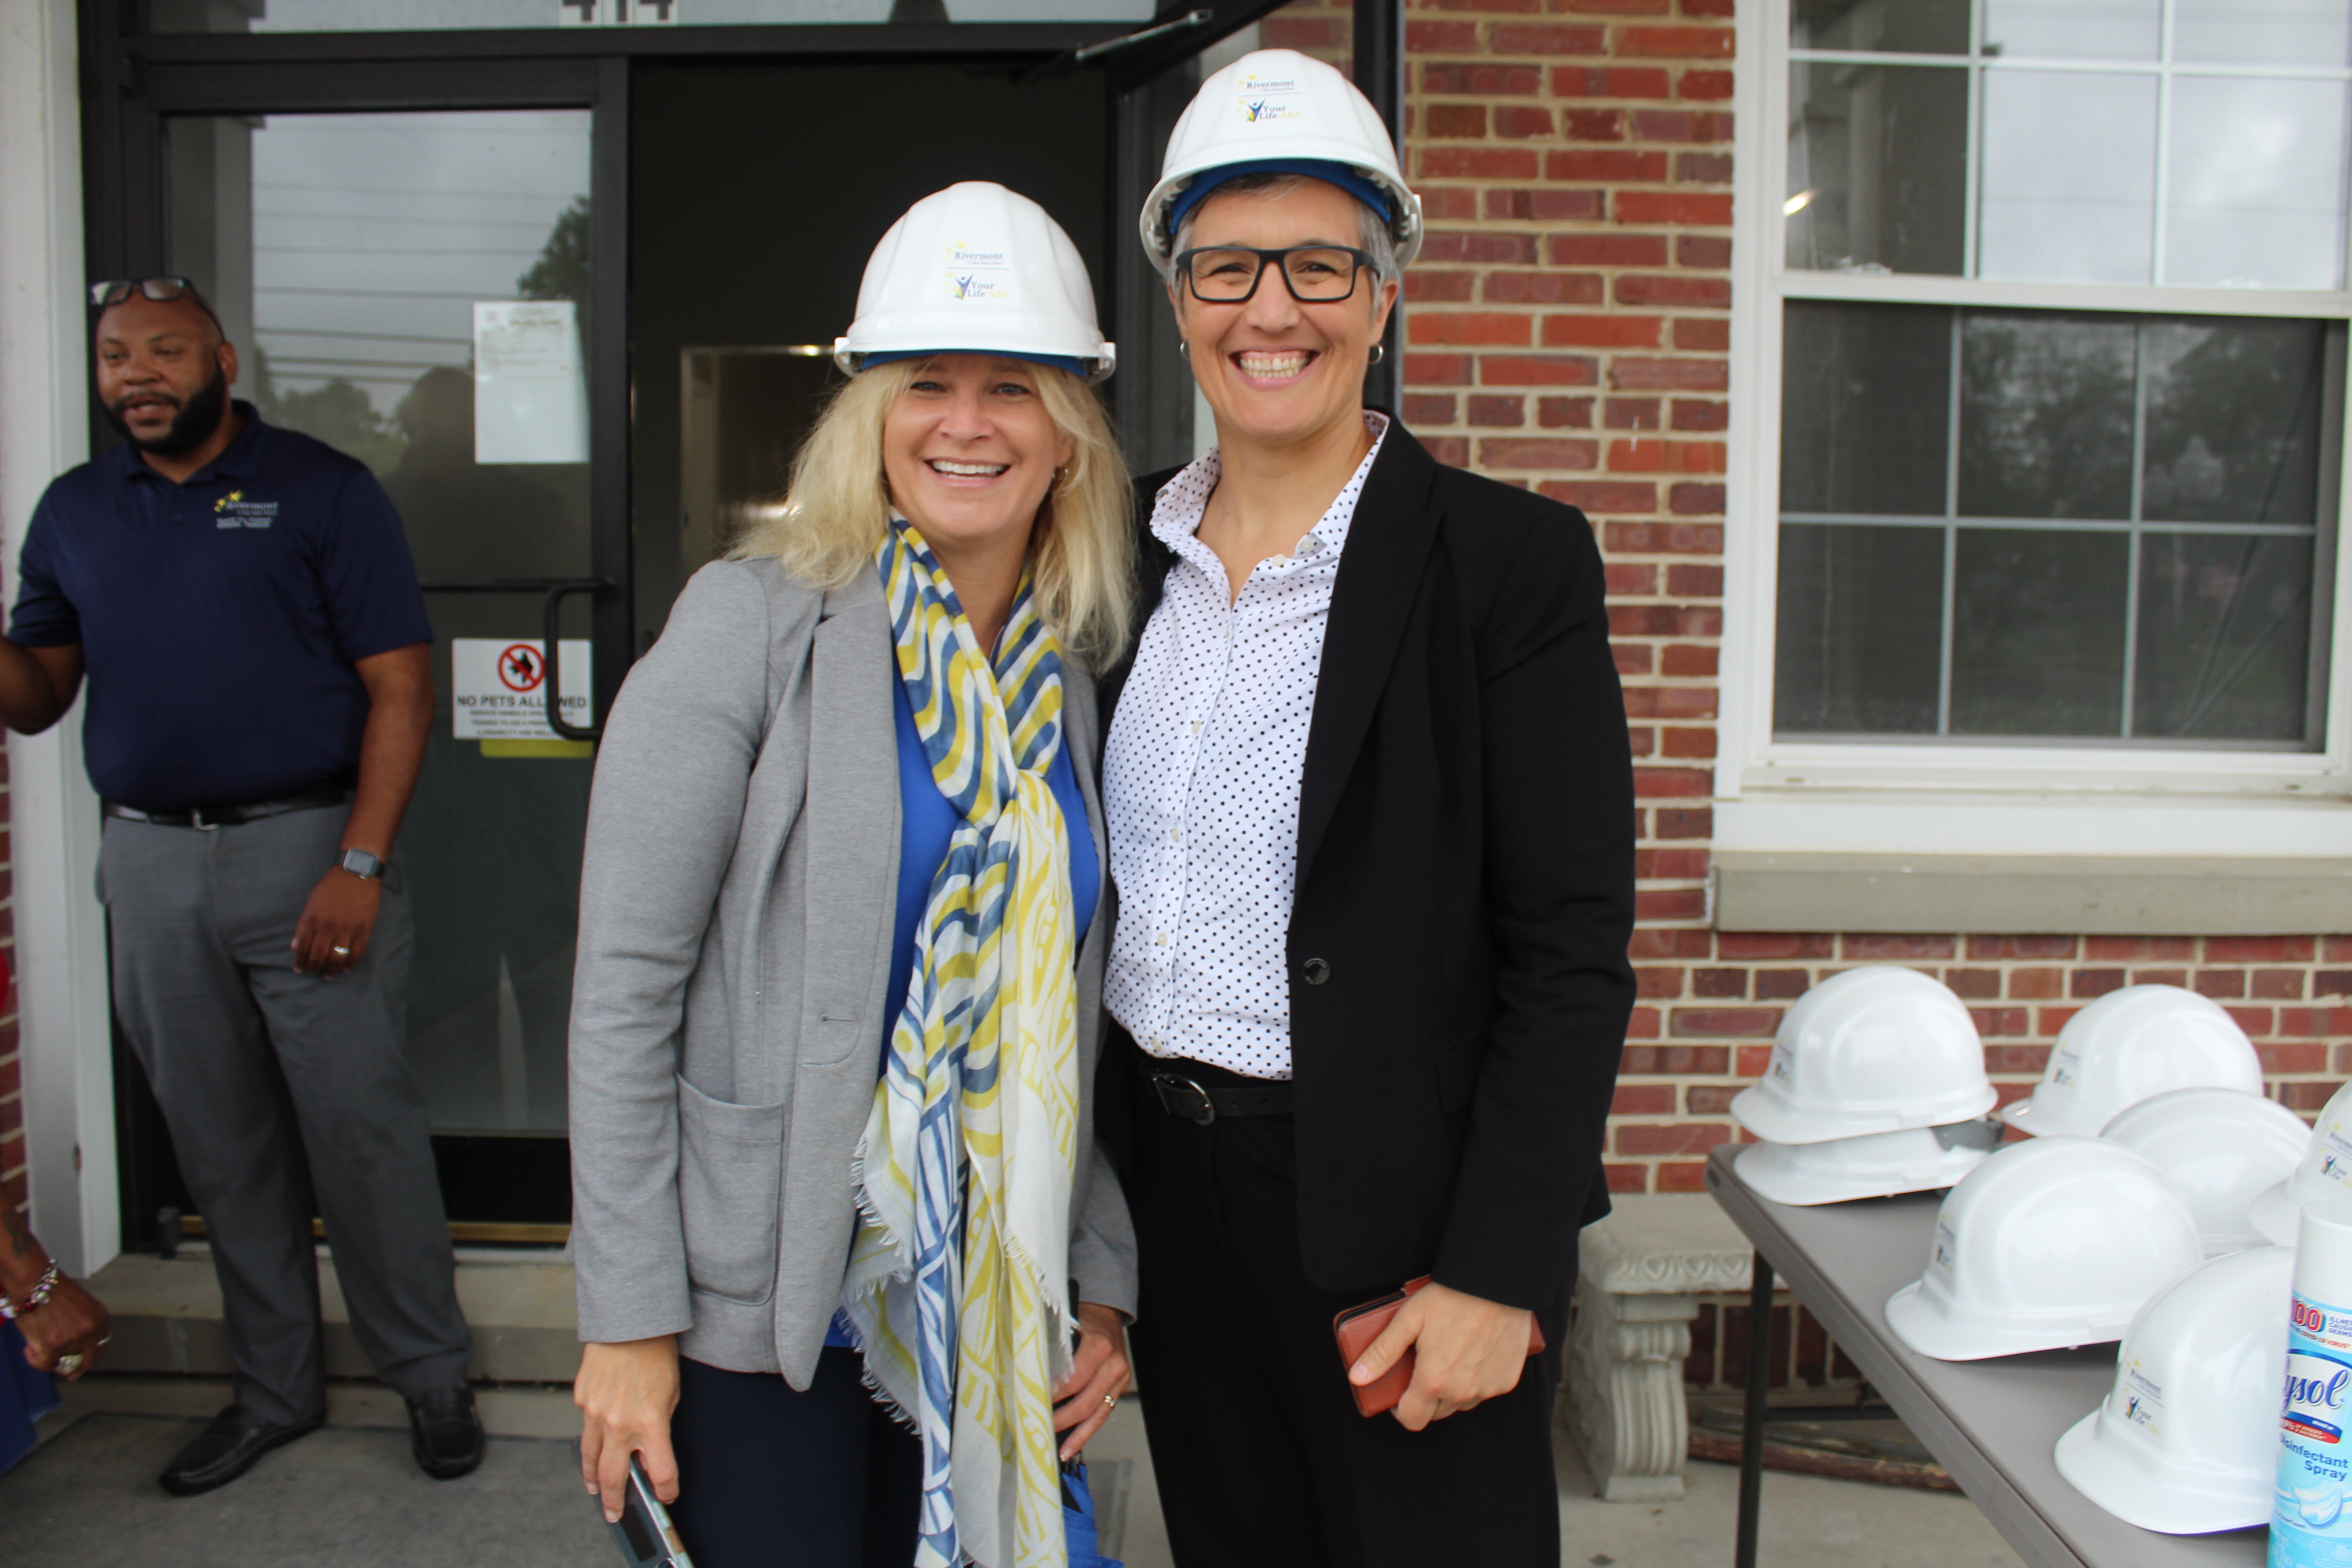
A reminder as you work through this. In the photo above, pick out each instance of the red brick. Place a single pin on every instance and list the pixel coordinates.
(1603, 496)
(1670, 904)
(1630, 414)
(1445, 245)
(1641, 743)
(2050, 1020)
(1505, 288)
(1426, 286)
(1536, 370)
(1489, 411)
(1305, 33)
(1649, 943)
(1457, 119)
(2112, 948)
(1700, 334)
(2085, 984)
(1773, 944)
(1656, 783)
(2037, 984)
(1564, 413)
(1670, 374)
(1673, 288)
(1889, 948)
(1682, 1177)
(2279, 984)
(1645, 1024)
(1604, 164)
(1750, 1022)
(1623, 577)
(1467, 327)
(1974, 984)
(1611, 81)
(1693, 499)
(1631, 659)
(2307, 1096)
(1442, 204)
(1667, 620)
(2257, 950)
(1643, 1099)
(2332, 982)
(2296, 1058)
(2300, 1020)
(1703, 168)
(1437, 370)
(1666, 125)
(1523, 119)
(1592, 124)
(1782, 984)
(1614, 8)
(2220, 982)
(1432, 37)
(1626, 1178)
(1753, 1060)
(1686, 43)
(1601, 332)
(1705, 86)
(1536, 453)
(1702, 250)
(1453, 451)
(1423, 409)
(1999, 1020)
(1718, 983)
(1543, 204)
(1674, 1061)
(1691, 659)
(1708, 1099)
(1549, 38)
(1481, 78)
(1987, 947)
(1666, 538)
(1676, 1138)
(1653, 456)
(1684, 581)
(1686, 822)
(1698, 209)
(2257, 1022)
(2335, 948)
(1499, 163)
(1607, 250)
(2161, 977)
(1689, 414)
(2017, 1058)
(1686, 743)
(1658, 982)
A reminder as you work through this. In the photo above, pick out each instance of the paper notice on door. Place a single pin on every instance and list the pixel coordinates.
(499, 687)
(531, 389)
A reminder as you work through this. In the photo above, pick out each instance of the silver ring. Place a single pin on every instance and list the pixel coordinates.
(69, 1364)
(104, 1340)
(340, 951)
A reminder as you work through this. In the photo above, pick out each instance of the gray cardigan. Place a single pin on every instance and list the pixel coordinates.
(735, 943)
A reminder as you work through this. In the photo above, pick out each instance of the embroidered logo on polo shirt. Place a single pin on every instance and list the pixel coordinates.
(233, 511)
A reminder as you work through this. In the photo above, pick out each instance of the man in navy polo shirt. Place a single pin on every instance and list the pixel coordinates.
(259, 697)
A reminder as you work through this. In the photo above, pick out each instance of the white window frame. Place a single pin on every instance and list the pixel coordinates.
(1955, 797)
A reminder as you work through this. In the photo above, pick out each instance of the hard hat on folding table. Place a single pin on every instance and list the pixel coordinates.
(1876, 1050)
(2324, 1172)
(2129, 1045)
(2220, 1148)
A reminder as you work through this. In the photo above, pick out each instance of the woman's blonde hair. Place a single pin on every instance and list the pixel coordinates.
(1082, 550)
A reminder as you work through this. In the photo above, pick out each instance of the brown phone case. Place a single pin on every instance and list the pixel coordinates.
(1357, 1327)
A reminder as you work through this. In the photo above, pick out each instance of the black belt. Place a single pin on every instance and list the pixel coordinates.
(207, 818)
(1180, 1094)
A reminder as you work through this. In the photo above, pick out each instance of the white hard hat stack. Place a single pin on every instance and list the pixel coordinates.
(2048, 1243)
(2131, 1045)
(2323, 1174)
(2220, 1148)
(1278, 111)
(977, 269)
(1876, 1086)
(2187, 1442)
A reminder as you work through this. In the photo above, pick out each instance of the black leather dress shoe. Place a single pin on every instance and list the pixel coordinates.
(228, 1447)
(445, 1434)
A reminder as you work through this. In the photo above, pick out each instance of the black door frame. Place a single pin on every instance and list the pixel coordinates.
(133, 80)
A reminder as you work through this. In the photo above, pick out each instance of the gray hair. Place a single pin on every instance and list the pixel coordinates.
(1372, 234)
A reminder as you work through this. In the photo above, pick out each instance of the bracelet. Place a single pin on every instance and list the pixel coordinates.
(38, 1294)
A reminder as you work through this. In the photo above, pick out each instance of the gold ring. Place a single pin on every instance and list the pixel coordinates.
(1111, 1400)
(69, 1364)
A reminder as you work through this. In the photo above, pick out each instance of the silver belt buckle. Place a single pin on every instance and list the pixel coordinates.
(1161, 1082)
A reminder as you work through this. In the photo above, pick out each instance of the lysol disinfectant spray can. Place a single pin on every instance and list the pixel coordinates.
(2310, 1525)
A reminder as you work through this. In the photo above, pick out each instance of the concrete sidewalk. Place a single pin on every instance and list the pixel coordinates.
(349, 1497)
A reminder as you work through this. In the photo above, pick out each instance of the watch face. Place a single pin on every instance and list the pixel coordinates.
(360, 863)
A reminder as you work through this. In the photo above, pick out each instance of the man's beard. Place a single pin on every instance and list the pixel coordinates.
(190, 428)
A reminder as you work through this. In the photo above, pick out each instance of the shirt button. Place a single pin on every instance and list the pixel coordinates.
(1160, 938)
(1176, 835)
(1315, 971)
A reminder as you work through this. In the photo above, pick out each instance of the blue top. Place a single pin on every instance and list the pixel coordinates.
(219, 619)
(926, 824)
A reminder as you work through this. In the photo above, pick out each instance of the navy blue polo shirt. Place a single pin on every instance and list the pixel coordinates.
(219, 619)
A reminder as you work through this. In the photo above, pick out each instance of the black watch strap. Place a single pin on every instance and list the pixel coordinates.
(361, 864)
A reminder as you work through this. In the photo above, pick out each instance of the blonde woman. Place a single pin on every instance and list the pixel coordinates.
(838, 1207)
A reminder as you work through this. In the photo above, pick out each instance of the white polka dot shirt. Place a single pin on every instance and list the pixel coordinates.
(1200, 780)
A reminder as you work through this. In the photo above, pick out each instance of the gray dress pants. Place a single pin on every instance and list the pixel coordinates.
(280, 1087)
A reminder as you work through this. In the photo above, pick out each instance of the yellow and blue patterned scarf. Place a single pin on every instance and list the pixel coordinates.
(956, 1287)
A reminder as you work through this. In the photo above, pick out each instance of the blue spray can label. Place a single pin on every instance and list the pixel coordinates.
(2310, 1525)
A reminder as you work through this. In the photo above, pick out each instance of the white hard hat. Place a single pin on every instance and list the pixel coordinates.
(1875, 1165)
(1276, 111)
(976, 268)
(2220, 1148)
(1871, 1050)
(2128, 1045)
(2188, 1441)
(2324, 1172)
(2048, 1243)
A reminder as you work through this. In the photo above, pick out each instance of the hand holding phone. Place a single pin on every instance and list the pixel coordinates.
(644, 1532)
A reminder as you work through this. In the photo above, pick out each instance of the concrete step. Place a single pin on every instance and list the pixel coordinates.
(518, 1301)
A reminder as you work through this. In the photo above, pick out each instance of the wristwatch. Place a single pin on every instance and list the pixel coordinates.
(361, 864)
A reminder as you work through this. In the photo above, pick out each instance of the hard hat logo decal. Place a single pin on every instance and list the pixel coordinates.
(1267, 100)
(977, 272)
(2143, 1399)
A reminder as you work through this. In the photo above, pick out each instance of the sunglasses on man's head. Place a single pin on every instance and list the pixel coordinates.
(115, 290)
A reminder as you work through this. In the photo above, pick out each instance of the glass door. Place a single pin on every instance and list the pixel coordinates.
(414, 288)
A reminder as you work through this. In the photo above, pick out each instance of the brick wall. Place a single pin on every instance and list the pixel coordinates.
(1568, 327)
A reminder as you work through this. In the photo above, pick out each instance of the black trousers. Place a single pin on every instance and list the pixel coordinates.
(772, 1478)
(1260, 1454)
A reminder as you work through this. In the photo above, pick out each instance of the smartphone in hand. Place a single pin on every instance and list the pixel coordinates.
(646, 1537)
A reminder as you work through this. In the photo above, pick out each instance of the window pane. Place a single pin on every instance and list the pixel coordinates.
(1861, 613)
(2069, 179)
(2038, 632)
(1898, 27)
(2045, 414)
(2224, 636)
(2298, 32)
(2256, 195)
(2233, 420)
(2072, 29)
(1863, 399)
(1877, 167)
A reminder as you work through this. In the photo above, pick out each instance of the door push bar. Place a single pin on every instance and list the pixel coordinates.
(557, 590)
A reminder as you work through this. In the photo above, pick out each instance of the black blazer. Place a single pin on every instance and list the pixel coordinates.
(1459, 984)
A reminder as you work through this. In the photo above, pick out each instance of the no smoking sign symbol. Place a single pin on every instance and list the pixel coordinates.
(521, 668)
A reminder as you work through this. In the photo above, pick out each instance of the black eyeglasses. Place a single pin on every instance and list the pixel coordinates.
(115, 290)
(1315, 274)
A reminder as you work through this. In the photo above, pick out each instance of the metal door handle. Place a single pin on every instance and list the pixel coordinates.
(556, 594)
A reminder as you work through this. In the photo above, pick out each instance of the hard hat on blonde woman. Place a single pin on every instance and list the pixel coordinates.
(976, 268)
(1276, 111)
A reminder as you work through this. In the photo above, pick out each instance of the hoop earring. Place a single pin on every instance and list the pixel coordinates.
(1379, 352)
